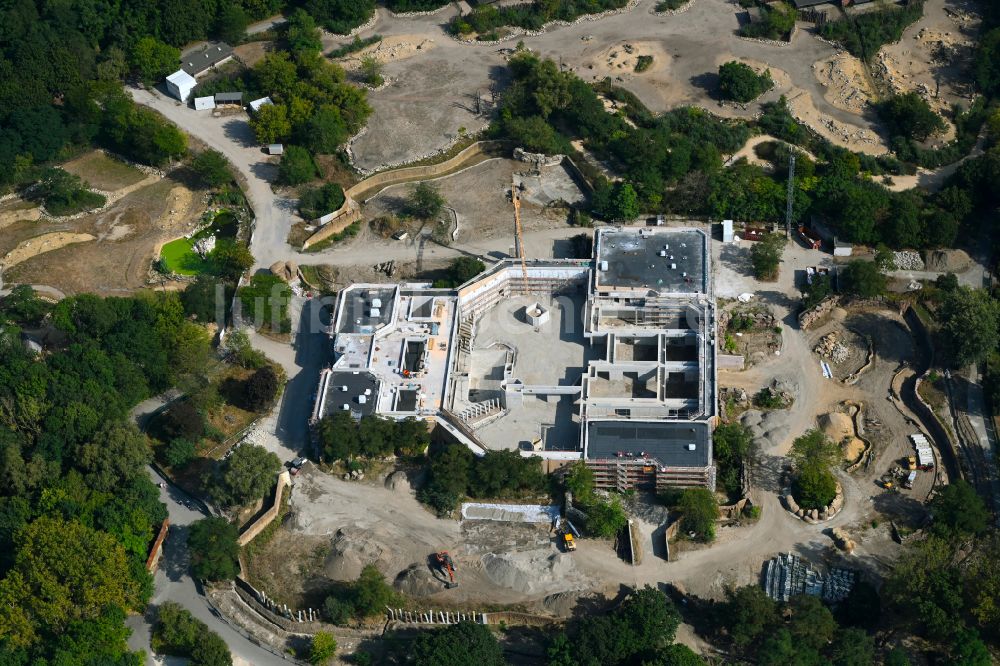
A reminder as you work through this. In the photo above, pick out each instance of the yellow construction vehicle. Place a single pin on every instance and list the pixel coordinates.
(911, 463)
(569, 542)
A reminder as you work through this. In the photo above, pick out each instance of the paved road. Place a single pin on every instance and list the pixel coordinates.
(174, 583)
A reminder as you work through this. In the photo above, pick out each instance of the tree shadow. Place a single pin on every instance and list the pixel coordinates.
(265, 171)
(709, 83)
(238, 131)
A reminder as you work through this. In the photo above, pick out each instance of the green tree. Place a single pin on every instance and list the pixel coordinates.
(214, 549)
(23, 306)
(302, 34)
(814, 448)
(231, 23)
(910, 116)
(372, 593)
(231, 259)
(296, 166)
(765, 255)
(247, 475)
(862, 278)
(213, 168)
(261, 389)
(179, 452)
(852, 647)
(733, 448)
(153, 60)
(270, 124)
(264, 301)
(987, 63)
(699, 511)
(371, 71)
(63, 572)
(457, 645)
(322, 648)
(579, 480)
(814, 487)
(958, 512)
(606, 518)
(812, 624)
(207, 299)
(340, 16)
(326, 130)
(741, 83)
(925, 590)
(424, 201)
(749, 615)
(677, 654)
(619, 203)
(64, 193)
(449, 471)
(211, 650)
(463, 269)
(117, 453)
(318, 201)
(969, 325)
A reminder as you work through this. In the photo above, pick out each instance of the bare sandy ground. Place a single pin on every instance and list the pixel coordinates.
(391, 49)
(846, 82)
(41, 244)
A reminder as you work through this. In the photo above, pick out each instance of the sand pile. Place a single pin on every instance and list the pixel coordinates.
(418, 581)
(947, 261)
(836, 426)
(528, 572)
(352, 549)
(398, 482)
(770, 428)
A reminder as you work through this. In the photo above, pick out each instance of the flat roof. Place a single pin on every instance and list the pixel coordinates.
(634, 262)
(357, 315)
(666, 441)
(357, 382)
(228, 97)
(181, 78)
(200, 58)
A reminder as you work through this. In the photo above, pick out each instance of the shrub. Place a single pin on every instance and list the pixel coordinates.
(862, 278)
(741, 83)
(322, 648)
(315, 202)
(765, 255)
(296, 166)
(182, 421)
(864, 34)
(179, 452)
(64, 193)
(910, 116)
(699, 511)
(643, 63)
(264, 301)
(213, 168)
(814, 487)
(776, 23)
(178, 633)
(424, 201)
(261, 389)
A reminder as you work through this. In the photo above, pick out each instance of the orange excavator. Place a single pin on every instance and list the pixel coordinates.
(447, 567)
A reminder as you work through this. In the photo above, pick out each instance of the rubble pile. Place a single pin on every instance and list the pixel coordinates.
(907, 260)
(830, 346)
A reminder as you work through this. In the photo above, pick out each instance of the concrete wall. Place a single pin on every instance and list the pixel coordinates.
(154, 553)
(284, 479)
(340, 220)
(480, 150)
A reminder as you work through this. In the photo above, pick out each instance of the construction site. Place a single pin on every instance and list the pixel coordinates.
(610, 359)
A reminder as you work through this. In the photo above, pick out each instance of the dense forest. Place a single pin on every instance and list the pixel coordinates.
(77, 509)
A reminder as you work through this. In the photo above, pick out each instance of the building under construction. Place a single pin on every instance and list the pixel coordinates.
(609, 359)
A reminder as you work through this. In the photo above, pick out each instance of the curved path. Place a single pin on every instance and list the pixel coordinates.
(173, 581)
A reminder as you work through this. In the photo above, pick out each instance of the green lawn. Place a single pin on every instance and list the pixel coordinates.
(179, 257)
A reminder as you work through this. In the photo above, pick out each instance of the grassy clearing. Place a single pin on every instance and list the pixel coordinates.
(103, 172)
(179, 257)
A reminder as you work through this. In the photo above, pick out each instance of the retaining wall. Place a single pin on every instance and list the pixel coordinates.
(154, 553)
(255, 528)
(345, 217)
(374, 184)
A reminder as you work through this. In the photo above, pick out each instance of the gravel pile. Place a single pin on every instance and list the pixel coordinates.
(908, 260)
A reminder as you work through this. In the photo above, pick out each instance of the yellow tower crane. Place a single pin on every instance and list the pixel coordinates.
(519, 248)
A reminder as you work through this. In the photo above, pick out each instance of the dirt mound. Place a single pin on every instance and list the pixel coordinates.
(528, 572)
(847, 85)
(42, 244)
(352, 549)
(287, 271)
(398, 482)
(560, 604)
(836, 426)
(418, 581)
(947, 261)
